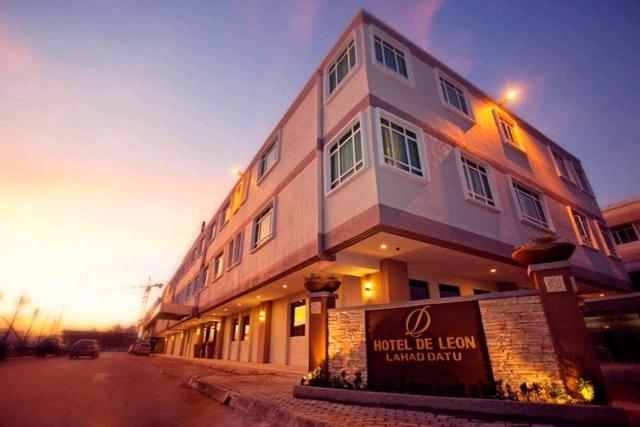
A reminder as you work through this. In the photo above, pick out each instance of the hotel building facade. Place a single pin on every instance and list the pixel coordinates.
(624, 220)
(398, 176)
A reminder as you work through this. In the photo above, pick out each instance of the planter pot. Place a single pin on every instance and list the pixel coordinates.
(322, 285)
(538, 253)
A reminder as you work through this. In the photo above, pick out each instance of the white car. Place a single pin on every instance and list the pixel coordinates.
(142, 348)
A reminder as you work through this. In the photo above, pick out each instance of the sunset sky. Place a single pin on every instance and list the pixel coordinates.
(120, 121)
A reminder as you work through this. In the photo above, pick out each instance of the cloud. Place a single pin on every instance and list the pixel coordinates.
(421, 18)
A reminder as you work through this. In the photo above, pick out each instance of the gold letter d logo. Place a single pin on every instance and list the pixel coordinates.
(418, 322)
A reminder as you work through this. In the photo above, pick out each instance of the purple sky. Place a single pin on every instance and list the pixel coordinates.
(120, 121)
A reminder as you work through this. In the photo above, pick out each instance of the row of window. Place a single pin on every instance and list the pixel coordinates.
(419, 289)
(297, 322)
(625, 233)
(399, 149)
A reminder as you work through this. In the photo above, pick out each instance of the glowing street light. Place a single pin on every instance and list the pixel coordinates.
(237, 172)
(510, 95)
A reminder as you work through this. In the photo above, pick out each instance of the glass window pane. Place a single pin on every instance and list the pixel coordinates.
(402, 66)
(452, 96)
(390, 58)
(346, 157)
(413, 153)
(378, 52)
(386, 143)
(343, 68)
(399, 148)
(357, 146)
(334, 167)
(352, 57)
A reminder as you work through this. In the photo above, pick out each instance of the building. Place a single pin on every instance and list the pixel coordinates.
(624, 221)
(394, 173)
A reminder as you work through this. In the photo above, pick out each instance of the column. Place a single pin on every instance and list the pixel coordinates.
(319, 304)
(264, 332)
(573, 345)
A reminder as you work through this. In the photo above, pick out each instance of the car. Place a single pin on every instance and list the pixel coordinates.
(88, 348)
(49, 346)
(141, 348)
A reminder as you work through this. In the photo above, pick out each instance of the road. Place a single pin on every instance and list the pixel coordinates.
(115, 390)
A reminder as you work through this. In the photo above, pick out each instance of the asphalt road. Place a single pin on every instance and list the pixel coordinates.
(115, 390)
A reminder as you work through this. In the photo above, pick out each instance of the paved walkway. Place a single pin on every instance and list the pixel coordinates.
(269, 394)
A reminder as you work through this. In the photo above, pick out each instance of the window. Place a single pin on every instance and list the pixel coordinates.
(268, 160)
(263, 227)
(507, 128)
(581, 224)
(400, 148)
(235, 329)
(561, 165)
(453, 95)
(448, 291)
(418, 289)
(245, 327)
(235, 251)
(210, 232)
(389, 56)
(477, 183)
(530, 205)
(624, 233)
(298, 318)
(342, 66)
(581, 177)
(605, 233)
(218, 265)
(345, 156)
(240, 193)
(479, 291)
(225, 215)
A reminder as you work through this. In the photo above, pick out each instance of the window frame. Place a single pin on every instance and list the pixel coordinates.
(439, 74)
(461, 158)
(359, 118)
(441, 285)
(606, 237)
(232, 247)
(413, 284)
(223, 218)
(235, 328)
(543, 202)
(301, 330)
(500, 116)
(257, 245)
(397, 47)
(245, 330)
(218, 255)
(556, 156)
(619, 226)
(420, 140)
(344, 49)
(580, 176)
(584, 224)
(275, 144)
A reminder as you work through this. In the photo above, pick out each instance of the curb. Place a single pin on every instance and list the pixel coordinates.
(276, 416)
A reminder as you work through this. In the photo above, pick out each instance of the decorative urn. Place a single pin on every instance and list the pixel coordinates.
(542, 249)
(316, 283)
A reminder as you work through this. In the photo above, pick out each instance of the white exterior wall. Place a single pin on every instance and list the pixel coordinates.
(441, 198)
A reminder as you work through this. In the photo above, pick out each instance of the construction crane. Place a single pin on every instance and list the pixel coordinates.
(145, 295)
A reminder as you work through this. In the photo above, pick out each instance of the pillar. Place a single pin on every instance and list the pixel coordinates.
(264, 332)
(394, 280)
(573, 346)
(219, 342)
(319, 304)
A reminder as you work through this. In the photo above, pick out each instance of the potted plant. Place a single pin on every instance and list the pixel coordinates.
(316, 283)
(542, 249)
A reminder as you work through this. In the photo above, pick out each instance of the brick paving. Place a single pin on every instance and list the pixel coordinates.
(269, 395)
